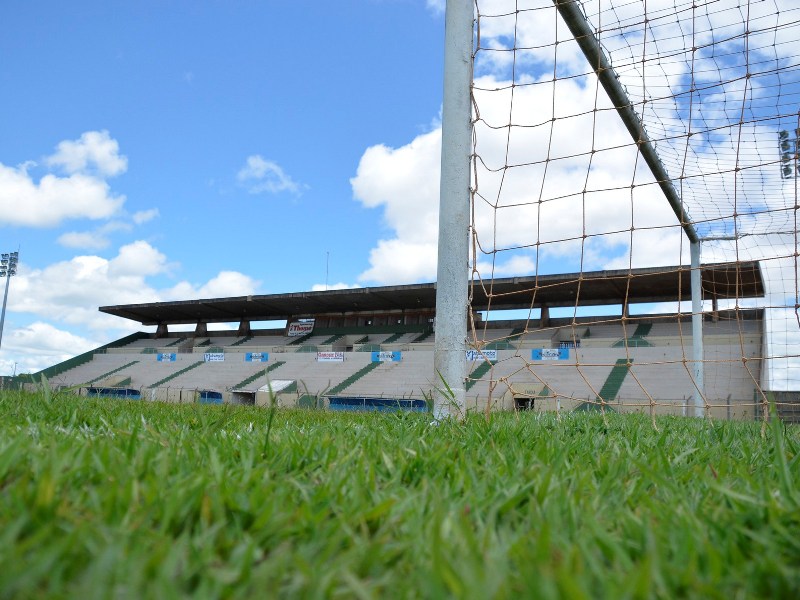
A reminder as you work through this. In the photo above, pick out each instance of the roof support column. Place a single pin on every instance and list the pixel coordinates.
(544, 319)
(244, 328)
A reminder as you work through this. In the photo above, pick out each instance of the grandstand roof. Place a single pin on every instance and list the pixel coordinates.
(661, 284)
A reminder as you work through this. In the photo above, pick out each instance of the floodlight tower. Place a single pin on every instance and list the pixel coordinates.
(8, 268)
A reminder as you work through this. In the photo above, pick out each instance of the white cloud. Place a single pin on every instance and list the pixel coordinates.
(138, 259)
(225, 284)
(94, 152)
(321, 287)
(143, 216)
(540, 188)
(39, 345)
(99, 238)
(437, 6)
(93, 240)
(86, 240)
(518, 264)
(82, 193)
(262, 175)
(398, 261)
(43, 338)
(563, 187)
(71, 291)
(404, 182)
(53, 199)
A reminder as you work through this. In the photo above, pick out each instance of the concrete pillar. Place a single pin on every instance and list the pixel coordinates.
(544, 321)
(162, 331)
(201, 330)
(244, 328)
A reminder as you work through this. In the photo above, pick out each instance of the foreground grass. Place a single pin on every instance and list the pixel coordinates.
(134, 499)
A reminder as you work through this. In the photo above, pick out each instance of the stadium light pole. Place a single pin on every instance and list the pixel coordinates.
(452, 273)
(8, 268)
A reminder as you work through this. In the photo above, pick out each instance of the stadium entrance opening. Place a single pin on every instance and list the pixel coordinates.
(523, 402)
(246, 398)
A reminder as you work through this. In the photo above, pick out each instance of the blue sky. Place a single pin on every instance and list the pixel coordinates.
(171, 150)
(224, 134)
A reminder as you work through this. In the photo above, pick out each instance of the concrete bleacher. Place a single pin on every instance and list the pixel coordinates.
(660, 371)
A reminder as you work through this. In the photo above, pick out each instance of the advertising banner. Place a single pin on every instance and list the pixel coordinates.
(167, 357)
(385, 356)
(256, 356)
(550, 354)
(297, 328)
(473, 355)
(214, 356)
(330, 356)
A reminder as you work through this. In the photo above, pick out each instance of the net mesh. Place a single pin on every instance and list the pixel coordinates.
(559, 185)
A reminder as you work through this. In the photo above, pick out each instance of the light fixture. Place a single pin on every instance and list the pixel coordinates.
(8, 268)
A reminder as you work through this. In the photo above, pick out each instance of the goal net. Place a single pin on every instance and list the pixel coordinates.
(609, 138)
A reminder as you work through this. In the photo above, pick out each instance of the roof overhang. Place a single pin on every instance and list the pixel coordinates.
(663, 284)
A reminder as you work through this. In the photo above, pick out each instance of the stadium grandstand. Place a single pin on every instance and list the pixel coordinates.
(372, 348)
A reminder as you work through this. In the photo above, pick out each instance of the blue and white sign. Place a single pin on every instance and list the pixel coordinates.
(256, 356)
(550, 354)
(386, 356)
(473, 355)
(214, 356)
(167, 357)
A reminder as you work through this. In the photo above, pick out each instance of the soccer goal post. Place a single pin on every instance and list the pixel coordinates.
(618, 208)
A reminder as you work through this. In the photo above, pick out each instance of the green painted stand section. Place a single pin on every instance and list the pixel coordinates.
(425, 335)
(337, 389)
(614, 381)
(307, 401)
(506, 343)
(394, 337)
(76, 361)
(104, 375)
(178, 341)
(300, 340)
(478, 373)
(290, 389)
(637, 339)
(334, 338)
(252, 378)
(242, 341)
(174, 375)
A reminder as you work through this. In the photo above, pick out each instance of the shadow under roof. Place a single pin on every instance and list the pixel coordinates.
(663, 284)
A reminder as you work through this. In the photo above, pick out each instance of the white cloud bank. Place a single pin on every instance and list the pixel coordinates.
(559, 186)
(81, 190)
(71, 291)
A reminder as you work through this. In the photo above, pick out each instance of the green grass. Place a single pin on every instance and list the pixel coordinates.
(105, 498)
